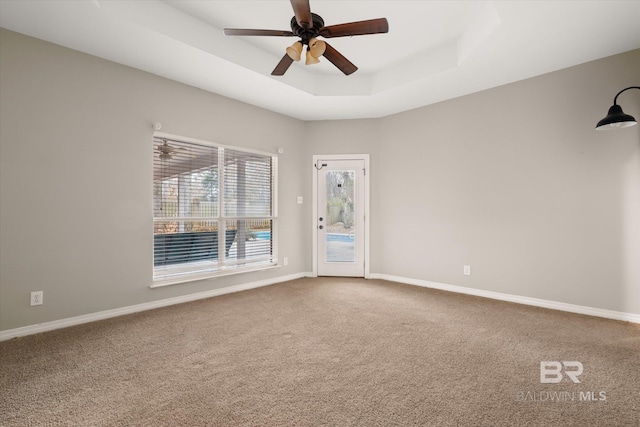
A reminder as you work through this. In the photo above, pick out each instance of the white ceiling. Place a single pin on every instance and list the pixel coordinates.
(435, 50)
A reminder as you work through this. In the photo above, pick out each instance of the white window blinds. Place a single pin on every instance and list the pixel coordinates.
(213, 209)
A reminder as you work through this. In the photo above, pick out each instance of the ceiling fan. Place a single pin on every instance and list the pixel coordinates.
(166, 151)
(308, 26)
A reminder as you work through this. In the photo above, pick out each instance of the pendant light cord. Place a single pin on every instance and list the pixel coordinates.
(615, 100)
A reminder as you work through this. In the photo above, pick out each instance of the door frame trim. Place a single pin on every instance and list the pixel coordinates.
(314, 210)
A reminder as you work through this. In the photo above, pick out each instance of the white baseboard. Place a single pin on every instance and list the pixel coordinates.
(572, 308)
(78, 320)
(87, 318)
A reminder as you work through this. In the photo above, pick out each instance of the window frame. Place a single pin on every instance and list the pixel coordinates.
(185, 272)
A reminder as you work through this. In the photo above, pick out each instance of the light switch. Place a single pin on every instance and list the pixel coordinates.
(300, 200)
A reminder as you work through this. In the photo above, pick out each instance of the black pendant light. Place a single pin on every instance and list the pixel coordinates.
(616, 118)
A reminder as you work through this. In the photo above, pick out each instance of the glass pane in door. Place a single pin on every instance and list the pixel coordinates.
(340, 216)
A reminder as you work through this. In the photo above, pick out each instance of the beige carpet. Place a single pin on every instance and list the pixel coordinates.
(334, 352)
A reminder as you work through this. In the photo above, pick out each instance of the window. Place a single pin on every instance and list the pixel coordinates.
(213, 209)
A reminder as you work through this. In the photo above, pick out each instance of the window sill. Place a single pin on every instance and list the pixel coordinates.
(228, 271)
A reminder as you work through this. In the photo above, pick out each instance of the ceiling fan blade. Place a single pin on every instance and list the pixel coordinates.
(371, 26)
(246, 32)
(282, 66)
(338, 60)
(302, 10)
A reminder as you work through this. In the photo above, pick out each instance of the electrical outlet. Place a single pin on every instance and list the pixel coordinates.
(36, 298)
(285, 261)
(467, 270)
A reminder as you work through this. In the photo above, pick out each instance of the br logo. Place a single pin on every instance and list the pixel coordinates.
(551, 371)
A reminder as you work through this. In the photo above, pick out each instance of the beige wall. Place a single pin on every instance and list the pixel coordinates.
(75, 183)
(513, 181)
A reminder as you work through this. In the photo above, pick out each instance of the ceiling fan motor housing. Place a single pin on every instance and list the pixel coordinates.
(309, 33)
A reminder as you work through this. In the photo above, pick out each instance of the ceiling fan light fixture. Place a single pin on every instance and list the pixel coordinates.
(295, 51)
(317, 47)
(311, 59)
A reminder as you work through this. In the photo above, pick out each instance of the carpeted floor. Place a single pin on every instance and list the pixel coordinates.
(326, 352)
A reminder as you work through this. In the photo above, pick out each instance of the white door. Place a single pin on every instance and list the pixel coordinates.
(340, 217)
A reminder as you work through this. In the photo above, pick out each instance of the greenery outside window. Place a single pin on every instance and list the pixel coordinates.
(214, 209)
